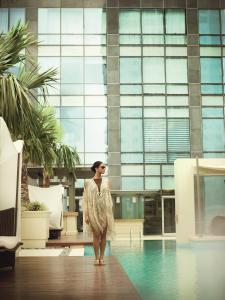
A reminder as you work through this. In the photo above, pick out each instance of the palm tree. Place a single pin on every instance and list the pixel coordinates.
(19, 106)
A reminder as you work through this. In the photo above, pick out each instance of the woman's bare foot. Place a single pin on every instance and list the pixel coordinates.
(101, 262)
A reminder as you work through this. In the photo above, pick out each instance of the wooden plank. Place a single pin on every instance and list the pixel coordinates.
(66, 278)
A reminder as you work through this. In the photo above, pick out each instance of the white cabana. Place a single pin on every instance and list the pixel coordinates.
(52, 198)
(184, 171)
(10, 191)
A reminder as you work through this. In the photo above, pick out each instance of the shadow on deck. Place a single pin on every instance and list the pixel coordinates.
(66, 277)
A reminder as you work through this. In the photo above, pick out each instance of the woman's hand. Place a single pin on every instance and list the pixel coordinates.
(86, 220)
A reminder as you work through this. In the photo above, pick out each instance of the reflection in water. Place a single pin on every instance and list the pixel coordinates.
(161, 271)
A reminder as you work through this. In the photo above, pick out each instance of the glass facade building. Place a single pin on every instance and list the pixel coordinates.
(140, 83)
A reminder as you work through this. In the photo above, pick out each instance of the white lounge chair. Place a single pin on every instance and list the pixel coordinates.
(52, 198)
(10, 190)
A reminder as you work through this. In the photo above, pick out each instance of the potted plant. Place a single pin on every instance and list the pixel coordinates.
(34, 225)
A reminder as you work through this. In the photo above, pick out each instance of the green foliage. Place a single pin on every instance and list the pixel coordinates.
(35, 206)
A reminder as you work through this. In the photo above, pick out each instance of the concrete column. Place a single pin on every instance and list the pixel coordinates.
(113, 92)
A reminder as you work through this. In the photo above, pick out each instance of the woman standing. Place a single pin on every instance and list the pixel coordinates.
(97, 208)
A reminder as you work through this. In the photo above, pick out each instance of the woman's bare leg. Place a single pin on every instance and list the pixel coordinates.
(96, 243)
(103, 244)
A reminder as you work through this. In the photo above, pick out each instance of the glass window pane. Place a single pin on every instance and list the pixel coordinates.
(69, 127)
(72, 112)
(178, 135)
(155, 157)
(152, 183)
(175, 21)
(212, 100)
(72, 89)
(212, 112)
(17, 15)
(130, 39)
(132, 170)
(176, 70)
(168, 183)
(154, 112)
(153, 70)
(72, 20)
(176, 39)
(178, 51)
(95, 101)
(152, 21)
(95, 112)
(71, 70)
(167, 169)
(95, 39)
(209, 40)
(209, 22)
(154, 89)
(95, 70)
(130, 101)
(95, 51)
(94, 20)
(48, 51)
(91, 157)
(152, 169)
(130, 89)
(132, 183)
(95, 89)
(223, 21)
(153, 39)
(155, 135)
(72, 51)
(210, 51)
(154, 100)
(177, 89)
(177, 112)
(213, 135)
(131, 112)
(72, 100)
(211, 70)
(132, 158)
(95, 130)
(49, 20)
(131, 135)
(130, 70)
(177, 101)
(48, 39)
(129, 21)
(4, 20)
(130, 51)
(153, 51)
(49, 62)
(69, 39)
(211, 89)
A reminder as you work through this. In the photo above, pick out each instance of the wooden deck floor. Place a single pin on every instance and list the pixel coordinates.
(65, 278)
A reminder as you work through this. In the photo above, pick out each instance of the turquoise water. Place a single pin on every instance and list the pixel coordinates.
(159, 270)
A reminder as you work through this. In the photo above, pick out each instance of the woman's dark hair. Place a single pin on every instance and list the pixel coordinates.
(96, 164)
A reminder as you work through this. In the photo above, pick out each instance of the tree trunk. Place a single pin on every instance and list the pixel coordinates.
(24, 183)
(46, 178)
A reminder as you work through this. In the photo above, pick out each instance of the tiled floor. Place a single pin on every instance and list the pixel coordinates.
(75, 251)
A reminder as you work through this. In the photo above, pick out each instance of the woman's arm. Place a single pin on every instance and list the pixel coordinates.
(85, 203)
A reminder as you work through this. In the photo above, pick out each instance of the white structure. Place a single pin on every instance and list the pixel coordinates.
(184, 170)
(10, 189)
(52, 198)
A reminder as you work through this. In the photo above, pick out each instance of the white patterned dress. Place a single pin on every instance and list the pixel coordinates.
(98, 206)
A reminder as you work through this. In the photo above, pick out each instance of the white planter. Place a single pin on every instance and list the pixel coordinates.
(35, 228)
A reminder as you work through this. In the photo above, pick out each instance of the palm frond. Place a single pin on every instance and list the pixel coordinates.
(66, 156)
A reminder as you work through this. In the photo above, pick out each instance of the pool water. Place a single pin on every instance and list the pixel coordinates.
(159, 270)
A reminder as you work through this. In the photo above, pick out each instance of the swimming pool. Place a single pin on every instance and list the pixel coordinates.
(159, 270)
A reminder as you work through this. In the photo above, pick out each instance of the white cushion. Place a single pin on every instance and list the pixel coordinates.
(8, 242)
(51, 197)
